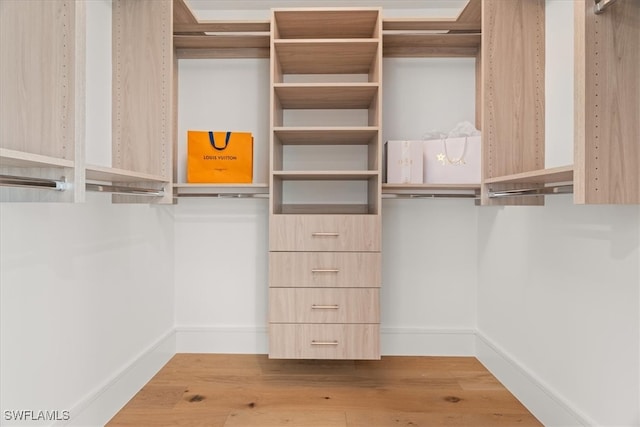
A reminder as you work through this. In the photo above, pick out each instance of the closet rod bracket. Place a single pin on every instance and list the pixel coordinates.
(601, 5)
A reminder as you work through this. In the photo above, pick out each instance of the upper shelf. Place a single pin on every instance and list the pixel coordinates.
(403, 37)
(319, 23)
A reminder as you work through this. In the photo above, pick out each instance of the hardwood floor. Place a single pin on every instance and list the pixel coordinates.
(219, 390)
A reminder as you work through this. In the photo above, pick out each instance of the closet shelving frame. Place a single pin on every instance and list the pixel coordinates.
(606, 156)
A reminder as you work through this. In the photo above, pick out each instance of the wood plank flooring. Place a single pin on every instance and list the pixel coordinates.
(219, 390)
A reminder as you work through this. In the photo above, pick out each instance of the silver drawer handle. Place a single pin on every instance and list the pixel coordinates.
(314, 342)
(325, 270)
(324, 307)
(325, 234)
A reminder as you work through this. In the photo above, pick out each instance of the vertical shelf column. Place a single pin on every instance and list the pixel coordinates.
(143, 67)
(607, 103)
(512, 63)
(42, 79)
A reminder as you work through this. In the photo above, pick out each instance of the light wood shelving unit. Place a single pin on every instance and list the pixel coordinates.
(607, 104)
(42, 87)
(142, 100)
(320, 318)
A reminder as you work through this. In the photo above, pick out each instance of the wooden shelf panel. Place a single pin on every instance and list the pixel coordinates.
(428, 24)
(413, 44)
(20, 159)
(108, 174)
(322, 23)
(202, 27)
(541, 176)
(326, 135)
(324, 209)
(339, 56)
(328, 96)
(222, 41)
(325, 175)
(403, 188)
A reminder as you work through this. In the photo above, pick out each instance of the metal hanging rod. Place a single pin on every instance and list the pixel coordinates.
(601, 5)
(129, 191)
(41, 183)
(550, 190)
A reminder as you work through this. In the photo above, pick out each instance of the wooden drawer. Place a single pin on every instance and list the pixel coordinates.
(355, 233)
(312, 341)
(317, 305)
(325, 269)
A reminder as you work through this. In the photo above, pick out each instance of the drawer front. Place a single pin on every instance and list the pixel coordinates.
(351, 233)
(313, 305)
(310, 341)
(325, 269)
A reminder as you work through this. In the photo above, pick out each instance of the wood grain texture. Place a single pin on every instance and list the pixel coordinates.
(471, 13)
(326, 135)
(348, 233)
(325, 269)
(324, 56)
(312, 23)
(37, 77)
(142, 86)
(324, 305)
(254, 391)
(326, 96)
(182, 14)
(42, 113)
(513, 62)
(324, 341)
(607, 104)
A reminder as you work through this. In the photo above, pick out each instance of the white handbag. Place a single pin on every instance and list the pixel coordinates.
(452, 160)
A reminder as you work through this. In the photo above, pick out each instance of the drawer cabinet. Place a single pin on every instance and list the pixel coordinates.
(325, 215)
(325, 269)
(313, 305)
(322, 341)
(360, 233)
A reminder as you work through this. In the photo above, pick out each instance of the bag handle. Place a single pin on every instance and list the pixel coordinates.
(212, 140)
(459, 160)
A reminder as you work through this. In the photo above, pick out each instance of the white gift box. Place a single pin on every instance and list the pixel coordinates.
(452, 160)
(404, 162)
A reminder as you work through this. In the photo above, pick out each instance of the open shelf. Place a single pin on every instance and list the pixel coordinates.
(324, 56)
(318, 23)
(425, 44)
(325, 135)
(21, 159)
(326, 95)
(108, 174)
(542, 176)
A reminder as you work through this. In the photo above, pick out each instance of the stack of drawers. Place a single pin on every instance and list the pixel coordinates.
(324, 284)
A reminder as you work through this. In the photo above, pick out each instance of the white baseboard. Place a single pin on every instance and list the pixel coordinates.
(540, 399)
(106, 400)
(427, 342)
(226, 340)
(394, 341)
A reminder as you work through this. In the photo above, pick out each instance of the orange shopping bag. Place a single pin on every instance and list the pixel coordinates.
(219, 157)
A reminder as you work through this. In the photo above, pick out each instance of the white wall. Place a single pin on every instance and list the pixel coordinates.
(429, 246)
(558, 294)
(86, 289)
